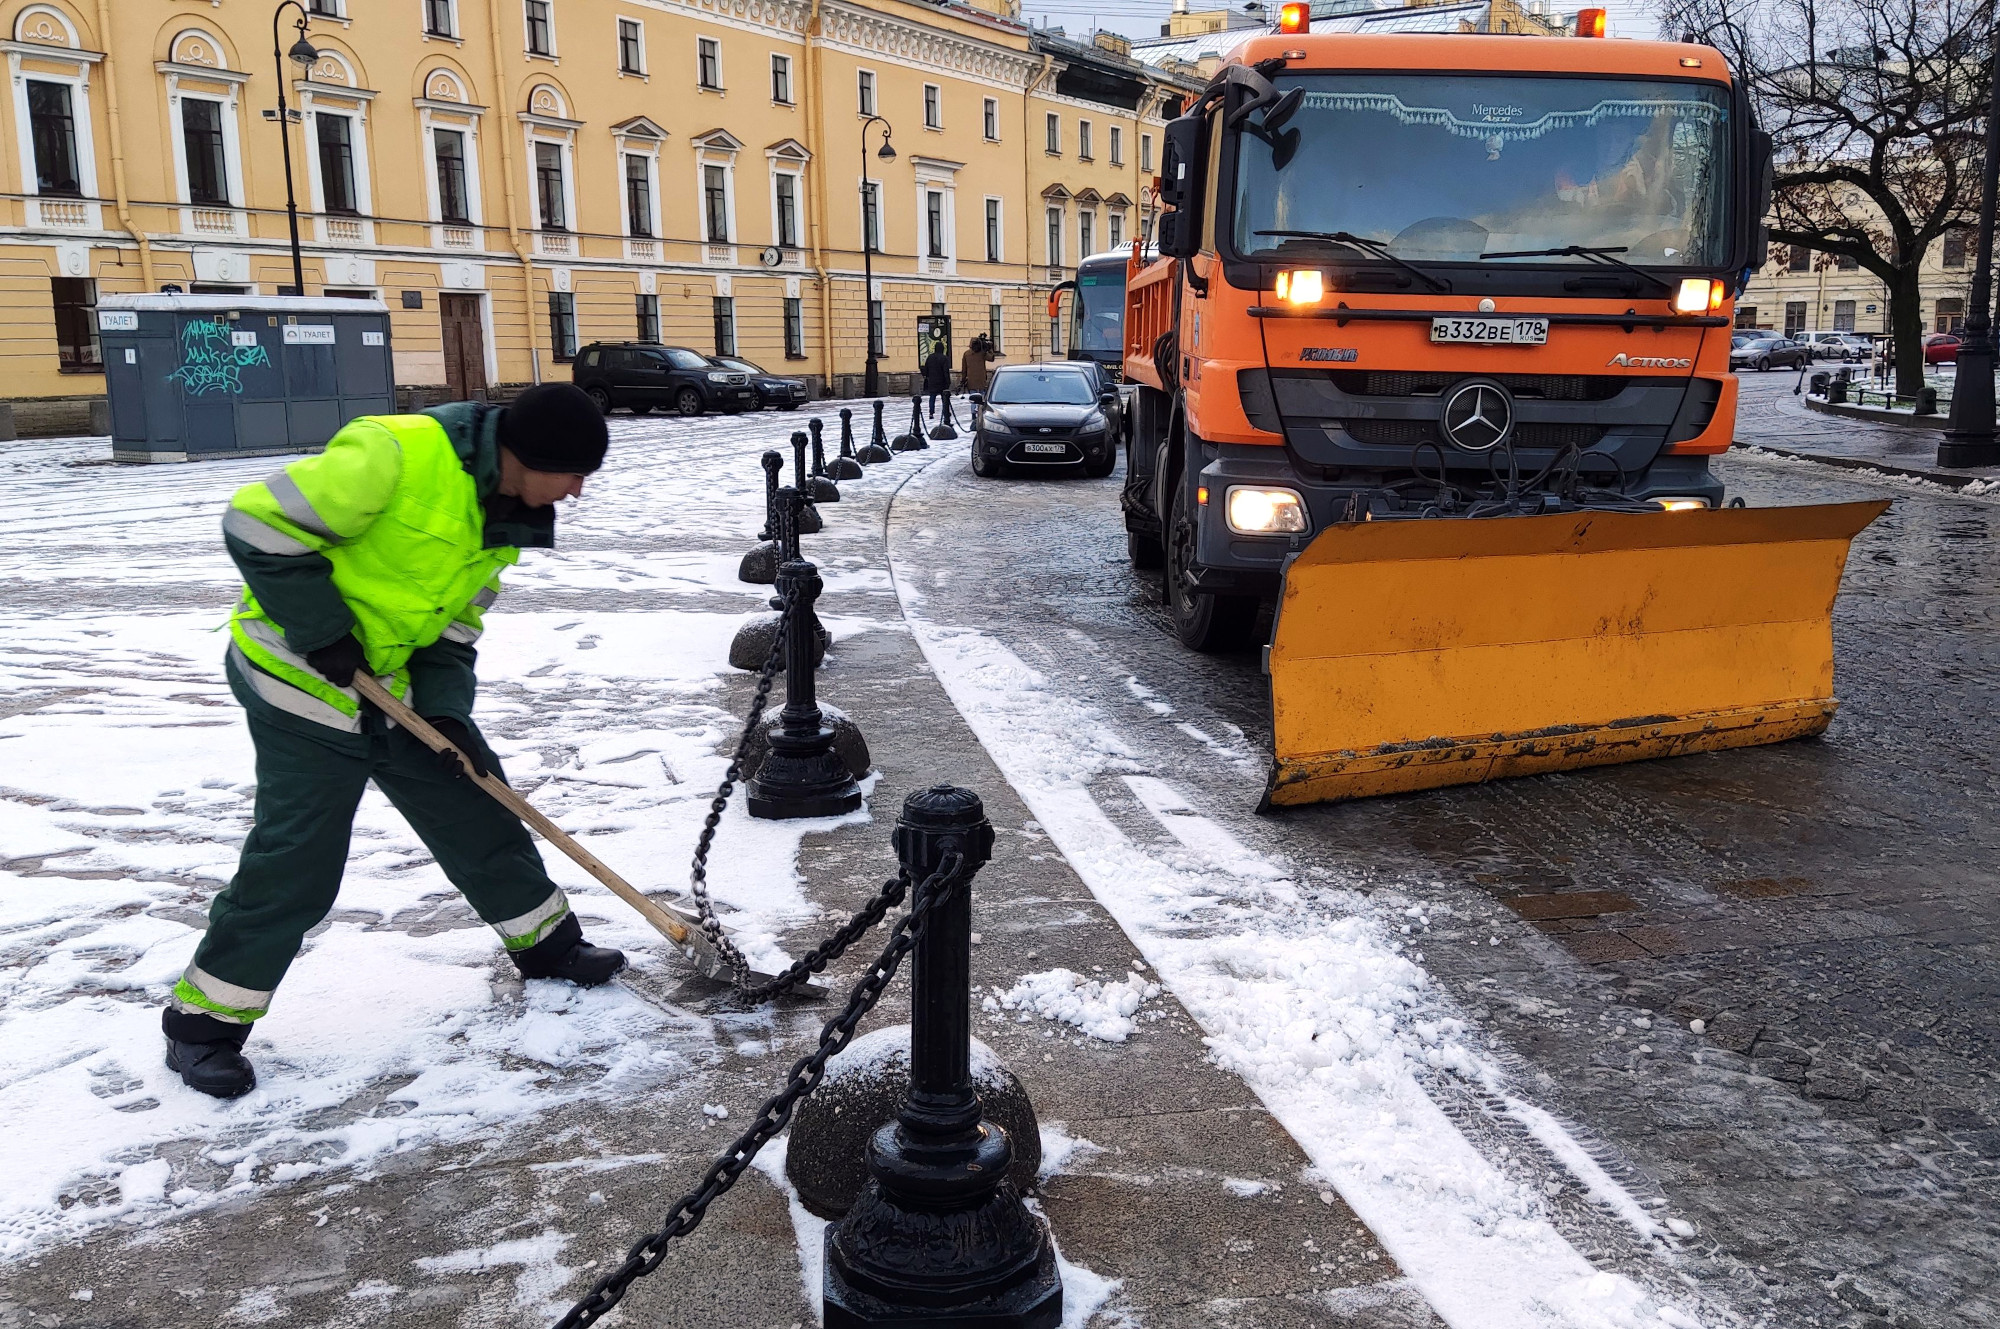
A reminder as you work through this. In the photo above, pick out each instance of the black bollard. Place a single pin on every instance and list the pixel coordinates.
(819, 487)
(751, 645)
(806, 521)
(874, 451)
(760, 566)
(947, 425)
(940, 1236)
(802, 775)
(913, 439)
(845, 467)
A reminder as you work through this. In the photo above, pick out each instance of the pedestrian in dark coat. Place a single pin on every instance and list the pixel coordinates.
(937, 377)
(976, 366)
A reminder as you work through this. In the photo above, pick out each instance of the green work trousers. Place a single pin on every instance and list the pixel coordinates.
(289, 875)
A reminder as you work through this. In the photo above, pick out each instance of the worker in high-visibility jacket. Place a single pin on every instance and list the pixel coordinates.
(381, 553)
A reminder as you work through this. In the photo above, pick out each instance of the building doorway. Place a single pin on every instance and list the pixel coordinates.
(464, 347)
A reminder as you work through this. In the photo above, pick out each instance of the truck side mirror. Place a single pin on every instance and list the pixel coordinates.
(1180, 162)
(1173, 238)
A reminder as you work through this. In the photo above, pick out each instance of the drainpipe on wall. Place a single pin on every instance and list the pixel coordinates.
(507, 176)
(1028, 197)
(816, 223)
(118, 152)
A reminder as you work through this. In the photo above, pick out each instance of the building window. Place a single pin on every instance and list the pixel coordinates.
(878, 341)
(934, 223)
(933, 106)
(53, 125)
(1055, 237)
(639, 194)
(541, 37)
(864, 92)
(1083, 150)
(781, 79)
(336, 161)
(1117, 229)
(708, 63)
(725, 325)
(1086, 235)
(991, 114)
(1847, 263)
(1146, 153)
(1950, 314)
(715, 204)
(649, 318)
(325, 8)
(1795, 317)
(992, 230)
(1954, 249)
(871, 217)
(1117, 146)
(1053, 123)
(1800, 259)
(549, 186)
(1746, 316)
(788, 210)
(631, 47)
(76, 324)
(439, 21)
(795, 328)
(562, 324)
(993, 325)
(453, 202)
(201, 139)
(1843, 316)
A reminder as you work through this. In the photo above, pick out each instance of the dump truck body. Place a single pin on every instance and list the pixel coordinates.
(1434, 357)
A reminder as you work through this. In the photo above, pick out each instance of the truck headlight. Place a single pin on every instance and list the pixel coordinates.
(1699, 295)
(1257, 511)
(1679, 504)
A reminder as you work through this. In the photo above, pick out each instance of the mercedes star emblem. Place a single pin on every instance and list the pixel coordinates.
(1477, 415)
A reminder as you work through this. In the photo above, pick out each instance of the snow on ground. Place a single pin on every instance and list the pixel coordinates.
(1101, 1008)
(126, 785)
(1320, 1005)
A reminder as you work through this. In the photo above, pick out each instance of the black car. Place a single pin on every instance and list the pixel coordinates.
(1032, 416)
(786, 394)
(641, 375)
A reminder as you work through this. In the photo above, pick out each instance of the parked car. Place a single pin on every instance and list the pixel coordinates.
(1837, 345)
(1106, 379)
(1768, 353)
(1044, 415)
(775, 390)
(641, 375)
(1941, 348)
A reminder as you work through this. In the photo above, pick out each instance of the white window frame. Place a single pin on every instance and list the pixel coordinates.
(995, 210)
(861, 193)
(1114, 225)
(936, 177)
(1052, 134)
(232, 149)
(721, 81)
(457, 32)
(555, 43)
(649, 148)
(989, 119)
(1086, 220)
(336, 9)
(1052, 216)
(79, 110)
(335, 99)
(933, 102)
(1085, 149)
(1145, 153)
(427, 123)
(785, 167)
(1117, 145)
(618, 36)
(867, 93)
(565, 142)
(707, 155)
(780, 60)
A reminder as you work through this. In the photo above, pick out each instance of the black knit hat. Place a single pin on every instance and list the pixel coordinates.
(554, 427)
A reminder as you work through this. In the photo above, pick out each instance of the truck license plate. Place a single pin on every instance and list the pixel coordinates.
(1057, 448)
(1491, 331)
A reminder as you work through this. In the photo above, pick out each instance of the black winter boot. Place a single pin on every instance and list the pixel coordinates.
(566, 955)
(208, 1053)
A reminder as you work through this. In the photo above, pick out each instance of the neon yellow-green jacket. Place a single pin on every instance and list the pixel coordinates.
(386, 534)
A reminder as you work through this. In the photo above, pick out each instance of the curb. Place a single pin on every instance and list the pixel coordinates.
(1875, 415)
(1949, 479)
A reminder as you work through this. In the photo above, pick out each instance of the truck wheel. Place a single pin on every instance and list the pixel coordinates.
(1211, 624)
(1144, 550)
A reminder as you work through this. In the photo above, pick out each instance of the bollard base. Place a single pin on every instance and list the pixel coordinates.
(760, 566)
(802, 778)
(752, 644)
(872, 454)
(848, 745)
(820, 489)
(844, 468)
(1036, 1304)
(943, 432)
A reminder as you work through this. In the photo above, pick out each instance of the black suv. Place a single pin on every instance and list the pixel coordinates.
(787, 394)
(642, 375)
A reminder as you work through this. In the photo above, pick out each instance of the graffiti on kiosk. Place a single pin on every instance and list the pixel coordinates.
(212, 362)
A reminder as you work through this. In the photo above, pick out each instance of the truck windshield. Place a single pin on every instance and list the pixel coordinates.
(1447, 167)
(1099, 321)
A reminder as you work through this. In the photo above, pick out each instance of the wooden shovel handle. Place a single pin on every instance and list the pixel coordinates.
(666, 923)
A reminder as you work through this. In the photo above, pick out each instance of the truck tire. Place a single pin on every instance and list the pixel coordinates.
(1211, 624)
(1144, 550)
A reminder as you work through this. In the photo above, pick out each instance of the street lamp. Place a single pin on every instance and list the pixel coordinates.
(303, 55)
(870, 381)
(1968, 436)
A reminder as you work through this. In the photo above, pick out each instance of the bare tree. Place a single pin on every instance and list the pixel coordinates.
(1875, 109)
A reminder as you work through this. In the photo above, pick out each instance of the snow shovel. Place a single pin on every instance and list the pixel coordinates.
(676, 925)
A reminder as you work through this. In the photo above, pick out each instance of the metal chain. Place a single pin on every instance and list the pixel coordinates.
(835, 946)
(645, 1254)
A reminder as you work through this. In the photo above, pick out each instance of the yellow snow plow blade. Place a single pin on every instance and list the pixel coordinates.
(1415, 654)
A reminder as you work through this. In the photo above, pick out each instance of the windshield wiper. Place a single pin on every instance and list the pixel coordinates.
(1372, 248)
(1606, 256)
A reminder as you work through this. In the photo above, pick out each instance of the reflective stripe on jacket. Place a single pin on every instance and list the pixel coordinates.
(391, 507)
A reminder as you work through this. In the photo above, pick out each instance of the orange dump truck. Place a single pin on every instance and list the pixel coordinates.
(1434, 356)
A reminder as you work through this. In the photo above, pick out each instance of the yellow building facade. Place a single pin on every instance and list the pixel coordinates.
(517, 178)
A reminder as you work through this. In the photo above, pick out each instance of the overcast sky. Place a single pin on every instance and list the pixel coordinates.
(1142, 18)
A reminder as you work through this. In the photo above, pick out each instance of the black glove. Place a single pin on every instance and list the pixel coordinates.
(462, 739)
(339, 661)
